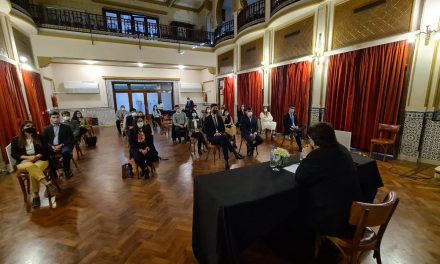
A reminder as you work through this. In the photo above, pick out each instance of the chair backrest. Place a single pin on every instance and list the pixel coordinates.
(391, 130)
(369, 215)
(11, 160)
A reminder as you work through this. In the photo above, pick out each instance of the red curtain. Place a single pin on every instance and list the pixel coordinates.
(365, 87)
(36, 100)
(228, 94)
(250, 91)
(291, 86)
(12, 105)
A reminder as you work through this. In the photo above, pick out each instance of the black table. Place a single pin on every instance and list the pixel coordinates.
(234, 208)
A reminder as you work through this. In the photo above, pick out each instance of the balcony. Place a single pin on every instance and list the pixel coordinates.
(251, 15)
(77, 21)
(224, 31)
(277, 5)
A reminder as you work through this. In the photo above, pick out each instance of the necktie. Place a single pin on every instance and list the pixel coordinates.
(215, 122)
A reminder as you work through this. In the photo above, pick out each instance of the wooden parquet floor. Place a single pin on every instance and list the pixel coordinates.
(100, 218)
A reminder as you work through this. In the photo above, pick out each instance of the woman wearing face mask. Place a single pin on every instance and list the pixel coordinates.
(240, 114)
(142, 148)
(230, 128)
(195, 131)
(267, 122)
(27, 149)
(205, 115)
(84, 128)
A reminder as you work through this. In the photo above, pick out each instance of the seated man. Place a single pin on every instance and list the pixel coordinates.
(215, 131)
(180, 123)
(195, 130)
(128, 120)
(74, 126)
(249, 131)
(292, 126)
(58, 139)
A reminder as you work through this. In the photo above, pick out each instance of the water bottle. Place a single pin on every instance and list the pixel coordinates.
(271, 157)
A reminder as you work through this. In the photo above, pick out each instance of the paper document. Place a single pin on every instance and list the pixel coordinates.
(292, 168)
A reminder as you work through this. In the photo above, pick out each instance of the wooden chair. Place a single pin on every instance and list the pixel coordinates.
(364, 216)
(24, 181)
(215, 149)
(387, 138)
(166, 124)
(292, 138)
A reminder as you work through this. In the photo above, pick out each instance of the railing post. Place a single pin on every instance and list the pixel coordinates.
(267, 10)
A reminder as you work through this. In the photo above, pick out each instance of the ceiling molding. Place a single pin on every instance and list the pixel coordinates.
(138, 78)
(134, 7)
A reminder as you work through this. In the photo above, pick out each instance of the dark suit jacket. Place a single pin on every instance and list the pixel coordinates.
(287, 122)
(132, 138)
(240, 115)
(189, 105)
(17, 151)
(328, 183)
(247, 126)
(209, 126)
(65, 136)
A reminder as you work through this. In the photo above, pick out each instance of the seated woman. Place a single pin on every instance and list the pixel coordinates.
(195, 131)
(29, 152)
(327, 180)
(230, 129)
(84, 127)
(267, 121)
(156, 116)
(142, 148)
(205, 115)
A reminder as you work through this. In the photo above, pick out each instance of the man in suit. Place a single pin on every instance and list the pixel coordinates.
(292, 126)
(58, 138)
(215, 131)
(189, 106)
(249, 131)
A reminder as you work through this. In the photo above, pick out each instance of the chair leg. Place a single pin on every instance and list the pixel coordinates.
(371, 149)
(282, 142)
(23, 188)
(385, 151)
(74, 163)
(241, 142)
(376, 255)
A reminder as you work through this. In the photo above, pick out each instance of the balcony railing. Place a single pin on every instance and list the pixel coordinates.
(224, 31)
(277, 5)
(251, 15)
(69, 20)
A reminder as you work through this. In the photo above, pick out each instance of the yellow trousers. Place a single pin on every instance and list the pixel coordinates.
(35, 170)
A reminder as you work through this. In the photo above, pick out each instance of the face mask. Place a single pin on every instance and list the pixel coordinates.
(178, 111)
(208, 111)
(194, 114)
(242, 108)
(30, 130)
(214, 112)
(122, 109)
(227, 113)
(140, 124)
(291, 110)
(195, 108)
(66, 118)
(249, 114)
(265, 109)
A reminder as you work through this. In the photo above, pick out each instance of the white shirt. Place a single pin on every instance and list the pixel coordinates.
(30, 148)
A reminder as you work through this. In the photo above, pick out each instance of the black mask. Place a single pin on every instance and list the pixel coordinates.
(30, 130)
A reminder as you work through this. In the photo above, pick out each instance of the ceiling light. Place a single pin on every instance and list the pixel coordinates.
(90, 62)
(23, 59)
(140, 64)
(181, 67)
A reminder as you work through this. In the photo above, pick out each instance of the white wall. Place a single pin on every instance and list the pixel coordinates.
(72, 72)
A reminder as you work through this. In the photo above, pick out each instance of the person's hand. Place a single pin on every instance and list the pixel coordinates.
(217, 134)
(36, 157)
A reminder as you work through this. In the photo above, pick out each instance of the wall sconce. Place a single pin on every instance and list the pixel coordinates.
(430, 33)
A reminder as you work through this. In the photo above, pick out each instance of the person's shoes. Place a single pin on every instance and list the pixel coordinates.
(250, 151)
(146, 173)
(50, 189)
(238, 155)
(36, 202)
(200, 152)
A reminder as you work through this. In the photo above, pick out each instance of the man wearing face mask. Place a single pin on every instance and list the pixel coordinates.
(58, 139)
(215, 131)
(128, 120)
(179, 123)
(249, 131)
(73, 124)
(120, 114)
(293, 127)
(195, 130)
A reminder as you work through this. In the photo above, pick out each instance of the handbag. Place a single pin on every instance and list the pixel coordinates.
(127, 171)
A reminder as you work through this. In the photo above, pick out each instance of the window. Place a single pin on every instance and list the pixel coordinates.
(129, 23)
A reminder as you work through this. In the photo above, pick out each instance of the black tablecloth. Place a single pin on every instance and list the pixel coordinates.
(234, 208)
